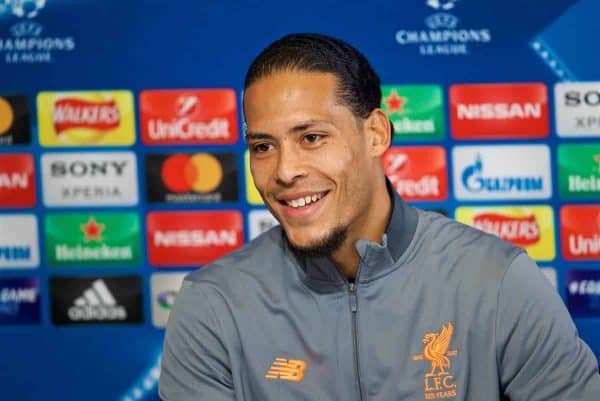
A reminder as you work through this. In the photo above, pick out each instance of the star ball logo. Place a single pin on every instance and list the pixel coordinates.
(14, 120)
(530, 227)
(108, 239)
(443, 34)
(102, 118)
(416, 111)
(194, 116)
(19, 300)
(17, 180)
(192, 238)
(191, 177)
(417, 173)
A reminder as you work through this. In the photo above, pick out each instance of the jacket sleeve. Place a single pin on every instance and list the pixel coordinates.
(539, 353)
(195, 362)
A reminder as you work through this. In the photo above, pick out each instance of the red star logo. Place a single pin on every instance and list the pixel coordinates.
(395, 103)
(92, 231)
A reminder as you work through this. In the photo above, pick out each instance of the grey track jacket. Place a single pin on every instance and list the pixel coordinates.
(439, 311)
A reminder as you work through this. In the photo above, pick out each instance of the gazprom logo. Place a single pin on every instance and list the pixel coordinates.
(475, 181)
(502, 172)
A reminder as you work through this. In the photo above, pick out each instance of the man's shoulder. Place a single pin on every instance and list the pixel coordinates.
(463, 248)
(255, 260)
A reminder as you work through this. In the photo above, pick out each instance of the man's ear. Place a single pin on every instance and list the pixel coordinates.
(379, 132)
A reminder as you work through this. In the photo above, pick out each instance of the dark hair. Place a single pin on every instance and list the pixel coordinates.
(358, 84)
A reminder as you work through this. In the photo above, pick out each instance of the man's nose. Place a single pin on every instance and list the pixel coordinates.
(290, 166)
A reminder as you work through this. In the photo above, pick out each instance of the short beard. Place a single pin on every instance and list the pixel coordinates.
(325, 246)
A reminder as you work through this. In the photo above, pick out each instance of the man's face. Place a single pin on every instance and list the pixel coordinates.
(308, 157)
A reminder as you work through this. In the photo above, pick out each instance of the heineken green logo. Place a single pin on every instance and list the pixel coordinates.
(579, 171)
(416, 111)
(93, 239)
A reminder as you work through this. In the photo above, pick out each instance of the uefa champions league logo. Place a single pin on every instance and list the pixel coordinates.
(22, 8)
(442, 5)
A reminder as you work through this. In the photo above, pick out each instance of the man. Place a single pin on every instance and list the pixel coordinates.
(358, 296)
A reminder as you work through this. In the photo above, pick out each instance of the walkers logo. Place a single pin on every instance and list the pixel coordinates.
(580, 232)
(417, 173)
(577, 109)
(103, 118)
(260, 221)
(17, 180)
(192, 238)
(81, 300)
(191, 178)
(19, 301)
(499, 111)
(252, 195)
(583, 292)
(19, 241)
(439, 382)
(415, 111)
(77, 239)
(14, 120)
(165, 287)
(180, 117)
(89, 179)
(501, 172)
(443, 34)
(530, 227)
(579, 171)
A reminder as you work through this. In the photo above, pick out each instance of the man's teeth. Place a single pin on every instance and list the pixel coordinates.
(307, 200)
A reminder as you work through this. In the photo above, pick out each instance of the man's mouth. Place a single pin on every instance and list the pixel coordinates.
(302, 200)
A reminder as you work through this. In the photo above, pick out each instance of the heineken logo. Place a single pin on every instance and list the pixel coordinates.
(579, 171)
(101, 238)
(416, 111)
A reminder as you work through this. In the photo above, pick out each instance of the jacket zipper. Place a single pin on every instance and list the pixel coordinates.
(354, 310)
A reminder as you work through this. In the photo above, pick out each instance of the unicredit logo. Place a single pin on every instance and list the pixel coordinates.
(474, 180)
(522, 231)
(580, 232)
(499, 111)
(79, 113)
(200, 116)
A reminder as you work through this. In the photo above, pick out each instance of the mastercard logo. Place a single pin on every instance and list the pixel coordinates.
(7, 117)
(201, 172)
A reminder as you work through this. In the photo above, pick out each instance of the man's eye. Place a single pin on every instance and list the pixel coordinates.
(262, 147)
(312, 138)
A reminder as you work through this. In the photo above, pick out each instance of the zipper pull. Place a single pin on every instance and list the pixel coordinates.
(353, 302)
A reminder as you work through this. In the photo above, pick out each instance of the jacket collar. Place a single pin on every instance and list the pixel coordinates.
(377, 260)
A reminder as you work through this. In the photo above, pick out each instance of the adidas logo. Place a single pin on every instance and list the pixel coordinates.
(97, 303)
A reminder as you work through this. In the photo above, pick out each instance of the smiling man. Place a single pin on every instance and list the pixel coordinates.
(357, 295)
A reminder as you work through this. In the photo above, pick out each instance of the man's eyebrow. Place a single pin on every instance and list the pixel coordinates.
(257, 136)
(301, 126)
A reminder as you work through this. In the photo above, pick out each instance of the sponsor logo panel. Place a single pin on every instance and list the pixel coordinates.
(91, 300)
(102, 118)
(579, 171)
(252, 195)
(529, 227)
(583, 292)
(499, 111)
(19, 300)
(577, 109)
(260, 221)
(195, 116)
(580, 232)
(90, 179)
(418, 173)
(19, 246)
(192, 238)
(501, 172)
(14, 120)
(191, 177)
(79, 239)
(17, 180)
(165, 287)
(416, 111)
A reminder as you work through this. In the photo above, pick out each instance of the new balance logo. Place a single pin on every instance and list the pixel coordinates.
(287, 369)
(97, 303)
